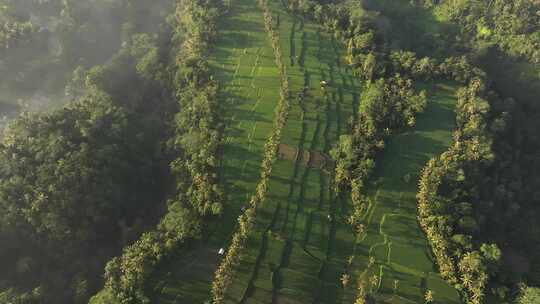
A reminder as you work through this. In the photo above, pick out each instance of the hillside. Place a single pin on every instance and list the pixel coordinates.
(302, 244)
(260, 151)
(243, 60)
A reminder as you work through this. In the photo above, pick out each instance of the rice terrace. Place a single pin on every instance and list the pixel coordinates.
(269, 151)
(301, 245)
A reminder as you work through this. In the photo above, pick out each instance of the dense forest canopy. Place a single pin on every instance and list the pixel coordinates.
(42, 42)
(82, 181)
(113, 136)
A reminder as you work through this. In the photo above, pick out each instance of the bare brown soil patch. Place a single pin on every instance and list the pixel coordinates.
(320, 160)
(287, 152)
(312, 159)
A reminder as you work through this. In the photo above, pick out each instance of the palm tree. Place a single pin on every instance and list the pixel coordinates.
(345, 278)
(374, 281)
(429, 296)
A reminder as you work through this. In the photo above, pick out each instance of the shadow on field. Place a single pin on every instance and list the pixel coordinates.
(233, 102)
(405, 228)
(395, 180)
(237, 40)
(409, 151)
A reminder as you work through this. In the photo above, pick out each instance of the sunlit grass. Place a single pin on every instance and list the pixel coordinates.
(402, 254)
(304, 252)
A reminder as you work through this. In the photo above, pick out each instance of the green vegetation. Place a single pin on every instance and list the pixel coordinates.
(193, 149)
(392, 248)
(226, 270)
(294, 249)
(42, 42)
(81, 177)
(244, 61)
(514, 26)
(299, 245)
(217, 151)
(487, 179)
(529, 295)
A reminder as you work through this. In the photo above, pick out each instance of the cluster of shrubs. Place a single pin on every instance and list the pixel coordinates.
(513, 25)
(15, 297)
(385, 105)
(224, 273)
(14, 33)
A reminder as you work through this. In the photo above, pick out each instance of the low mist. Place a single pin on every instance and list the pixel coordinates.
(42, 42)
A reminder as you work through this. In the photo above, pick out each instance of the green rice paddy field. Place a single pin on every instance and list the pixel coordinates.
(302, 244)
(393, 237)
(243, 63)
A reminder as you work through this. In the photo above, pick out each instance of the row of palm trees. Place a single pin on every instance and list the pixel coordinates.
(464, 267)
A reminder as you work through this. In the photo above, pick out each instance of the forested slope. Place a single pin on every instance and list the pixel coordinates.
(79, 183)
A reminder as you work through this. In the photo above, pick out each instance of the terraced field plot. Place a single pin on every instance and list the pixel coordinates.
(243, 63)
(301, 242)
(393, 237)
